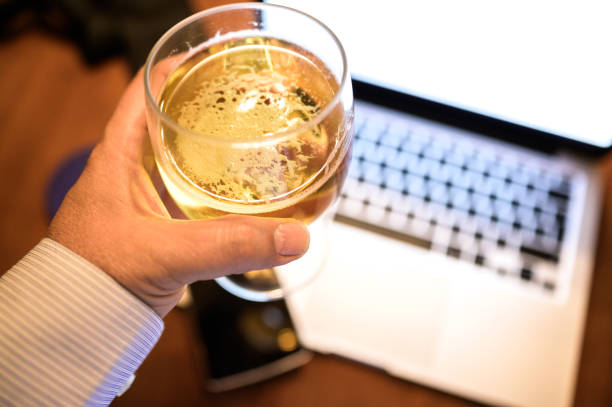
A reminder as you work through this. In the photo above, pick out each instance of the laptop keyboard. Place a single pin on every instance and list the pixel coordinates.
(451, 194)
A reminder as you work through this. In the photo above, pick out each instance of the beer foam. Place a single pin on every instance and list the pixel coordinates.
(243, 96)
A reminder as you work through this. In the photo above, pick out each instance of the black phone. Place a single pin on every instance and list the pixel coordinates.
(246, 341)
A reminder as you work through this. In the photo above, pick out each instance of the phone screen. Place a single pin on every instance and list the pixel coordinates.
(246, 341)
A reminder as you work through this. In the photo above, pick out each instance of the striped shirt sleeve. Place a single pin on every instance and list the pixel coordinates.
(70, 335)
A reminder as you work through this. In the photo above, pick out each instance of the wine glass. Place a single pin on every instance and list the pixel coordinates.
(250, 111)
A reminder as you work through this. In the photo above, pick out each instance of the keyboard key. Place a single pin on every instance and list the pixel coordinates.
(448, 218)
(527, 217)
(439, 193)
(441, 172)
(483, 206)
(490, 230)
(416, 186)
(434, 151)
(372, 172)
(355, 189)
(402, 160)
(399, 203)
(394, 136)
(359, 147)
(526, 274)
(385, 197)
(542, 182)
(538, 249)
(374, 154)
(481, 184)
(420, 227)
(560, 234)
(453, 252)
(462, 179)
(460, 199)
(479, 260)
(372, 130)
(394, 179)
(504, 211)
(396, 220)
(441, 237)
(529, 197)
(420, 167)
(455, 157)
(541, 200)
(467, 224)
(559, 187)
(410, 145)
(504, 191)
(558, 205)
(548, 223)
(374, 214)
(351, 208)
(500, 170)
(354, 168)
(388, 154)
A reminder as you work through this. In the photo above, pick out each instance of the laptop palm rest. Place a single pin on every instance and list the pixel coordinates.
(372, 319)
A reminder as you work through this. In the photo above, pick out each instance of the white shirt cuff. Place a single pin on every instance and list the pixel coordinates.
(69, 333)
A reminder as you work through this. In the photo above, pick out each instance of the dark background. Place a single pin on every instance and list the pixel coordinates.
(55, 99)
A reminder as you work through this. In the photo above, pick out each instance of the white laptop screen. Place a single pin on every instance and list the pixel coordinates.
(546, 65)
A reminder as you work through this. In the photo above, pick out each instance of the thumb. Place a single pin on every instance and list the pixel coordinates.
(233, 244)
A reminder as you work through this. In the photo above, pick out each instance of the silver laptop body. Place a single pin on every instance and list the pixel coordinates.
(455, 259)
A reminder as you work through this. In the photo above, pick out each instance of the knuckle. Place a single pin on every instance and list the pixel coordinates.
(242, 240)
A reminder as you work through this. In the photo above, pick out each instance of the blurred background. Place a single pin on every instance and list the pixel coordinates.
(64, 65)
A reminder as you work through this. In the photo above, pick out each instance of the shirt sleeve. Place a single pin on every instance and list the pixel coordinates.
(70, 335)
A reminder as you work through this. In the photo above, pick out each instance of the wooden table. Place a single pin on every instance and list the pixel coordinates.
(52, 104)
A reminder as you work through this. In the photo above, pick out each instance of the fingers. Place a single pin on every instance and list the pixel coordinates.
(126, 131)
(128, 121)
(161, 69)
(127, 126)
(202, 250)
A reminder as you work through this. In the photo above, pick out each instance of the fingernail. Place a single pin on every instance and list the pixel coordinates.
(291, 239)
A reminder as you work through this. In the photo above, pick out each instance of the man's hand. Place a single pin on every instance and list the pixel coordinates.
(114, 217)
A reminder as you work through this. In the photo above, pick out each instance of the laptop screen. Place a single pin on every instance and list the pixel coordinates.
(546, 65)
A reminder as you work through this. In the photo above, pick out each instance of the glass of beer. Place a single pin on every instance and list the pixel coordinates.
(250, 111)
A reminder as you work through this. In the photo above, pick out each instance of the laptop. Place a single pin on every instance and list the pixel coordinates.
(462, 249)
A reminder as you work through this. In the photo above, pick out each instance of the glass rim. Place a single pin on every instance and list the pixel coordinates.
(276, 137)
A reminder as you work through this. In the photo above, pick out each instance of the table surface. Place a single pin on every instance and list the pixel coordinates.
(52, 104)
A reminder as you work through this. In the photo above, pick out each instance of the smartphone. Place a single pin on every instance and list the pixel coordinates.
(246, 341)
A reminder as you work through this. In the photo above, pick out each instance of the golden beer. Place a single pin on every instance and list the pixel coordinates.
(235, 102)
